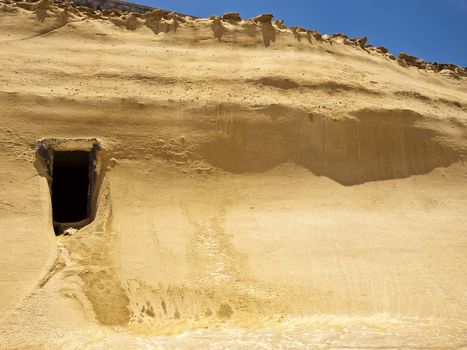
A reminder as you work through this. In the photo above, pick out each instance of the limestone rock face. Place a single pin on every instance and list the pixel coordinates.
(176, 182)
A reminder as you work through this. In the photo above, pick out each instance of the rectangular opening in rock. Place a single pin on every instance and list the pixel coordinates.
(73, 169)
(70, 186)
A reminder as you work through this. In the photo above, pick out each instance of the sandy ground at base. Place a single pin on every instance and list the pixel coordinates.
(296, 196)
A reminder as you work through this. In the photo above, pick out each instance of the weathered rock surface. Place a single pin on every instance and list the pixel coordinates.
(256, 186)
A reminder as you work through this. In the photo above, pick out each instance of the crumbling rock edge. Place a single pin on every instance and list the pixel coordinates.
(159, 21)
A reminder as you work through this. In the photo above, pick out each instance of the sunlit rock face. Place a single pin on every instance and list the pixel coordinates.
(240, 184)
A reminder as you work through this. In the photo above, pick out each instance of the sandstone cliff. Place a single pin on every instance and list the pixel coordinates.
(255, 185)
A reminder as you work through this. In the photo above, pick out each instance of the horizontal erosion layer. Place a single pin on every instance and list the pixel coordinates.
(361, 146)
(366, 146)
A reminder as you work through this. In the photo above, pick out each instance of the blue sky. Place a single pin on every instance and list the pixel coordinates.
(432, 29)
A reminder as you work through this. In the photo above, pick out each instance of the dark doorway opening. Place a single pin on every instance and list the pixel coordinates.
(70, 187)
(74, 171)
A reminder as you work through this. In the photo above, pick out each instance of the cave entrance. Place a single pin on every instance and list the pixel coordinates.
(70, 186)
(74, 172)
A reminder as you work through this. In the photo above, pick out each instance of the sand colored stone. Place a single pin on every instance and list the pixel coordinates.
(262, 186)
